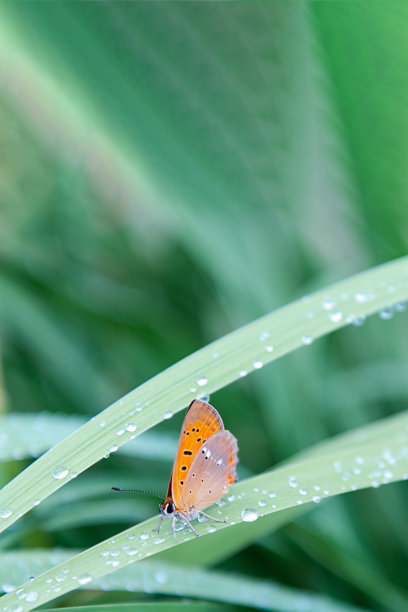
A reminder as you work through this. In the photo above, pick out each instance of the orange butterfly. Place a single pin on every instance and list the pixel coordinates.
(204, 466)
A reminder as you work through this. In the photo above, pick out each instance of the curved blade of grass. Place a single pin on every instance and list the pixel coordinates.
(170, 579)
(207, 370)
(372, 460)
(18, 442)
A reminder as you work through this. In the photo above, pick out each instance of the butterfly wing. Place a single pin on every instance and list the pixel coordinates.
(211, 472)
(200, 423)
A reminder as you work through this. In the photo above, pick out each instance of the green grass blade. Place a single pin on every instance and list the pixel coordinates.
(366, 460)
(170, 579)
(207, 370)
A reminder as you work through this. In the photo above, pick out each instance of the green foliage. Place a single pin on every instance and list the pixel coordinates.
(171, 171)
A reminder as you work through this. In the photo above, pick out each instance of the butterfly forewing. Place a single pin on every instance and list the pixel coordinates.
(211, 472)
(200, 423)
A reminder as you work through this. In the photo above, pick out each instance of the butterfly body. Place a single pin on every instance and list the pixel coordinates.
(204, 466)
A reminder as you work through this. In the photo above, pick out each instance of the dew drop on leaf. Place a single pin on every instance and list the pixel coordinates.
(249, 515)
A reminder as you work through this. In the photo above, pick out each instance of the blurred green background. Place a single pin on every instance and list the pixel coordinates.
(170, 171)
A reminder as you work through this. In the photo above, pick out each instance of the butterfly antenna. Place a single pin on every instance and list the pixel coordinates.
(139, 491)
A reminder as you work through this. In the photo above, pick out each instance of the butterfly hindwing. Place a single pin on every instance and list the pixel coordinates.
(212, 471)
(200, 423)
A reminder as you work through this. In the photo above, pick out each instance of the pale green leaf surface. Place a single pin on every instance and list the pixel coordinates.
(372, 460)
(207, 370)
(170, 579)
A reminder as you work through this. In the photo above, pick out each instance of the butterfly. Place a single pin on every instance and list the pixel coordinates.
(203, 469)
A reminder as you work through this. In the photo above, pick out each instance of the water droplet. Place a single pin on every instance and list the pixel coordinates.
(328, 303)
(131, 551)
(120, 432)
(249, 515)
(144, 536)
(388, 474)
(264, 336)
(201, 381)
(361, 297)
(211, 529)
(84, 578)
(272, 494)
(262, 503)
(113, 448)
(161, 577)
(102, 423)
(386, 313)
(316, 499)
(16, 608)
(131, 427)
(167, 415)
(5, 512)
(258, 364)
(269, 348)
(32, 596)
(293, 482)
(159, 541)
(303, 491)
(335, 317)
(401, 306)
(359, 321)
(193, 389)
(243, 373)
(307, 340)
(59, 472)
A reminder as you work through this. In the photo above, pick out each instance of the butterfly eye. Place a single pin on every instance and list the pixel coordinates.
(169, 509)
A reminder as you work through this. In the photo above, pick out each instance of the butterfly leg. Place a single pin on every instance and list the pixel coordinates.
(173, 526)
(185, 518)
(159, 525)
(211, 517)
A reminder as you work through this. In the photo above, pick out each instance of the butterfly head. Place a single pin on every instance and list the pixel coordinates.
(167, 508)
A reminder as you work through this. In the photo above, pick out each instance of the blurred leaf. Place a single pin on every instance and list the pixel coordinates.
(169, 579)
(30, 435)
